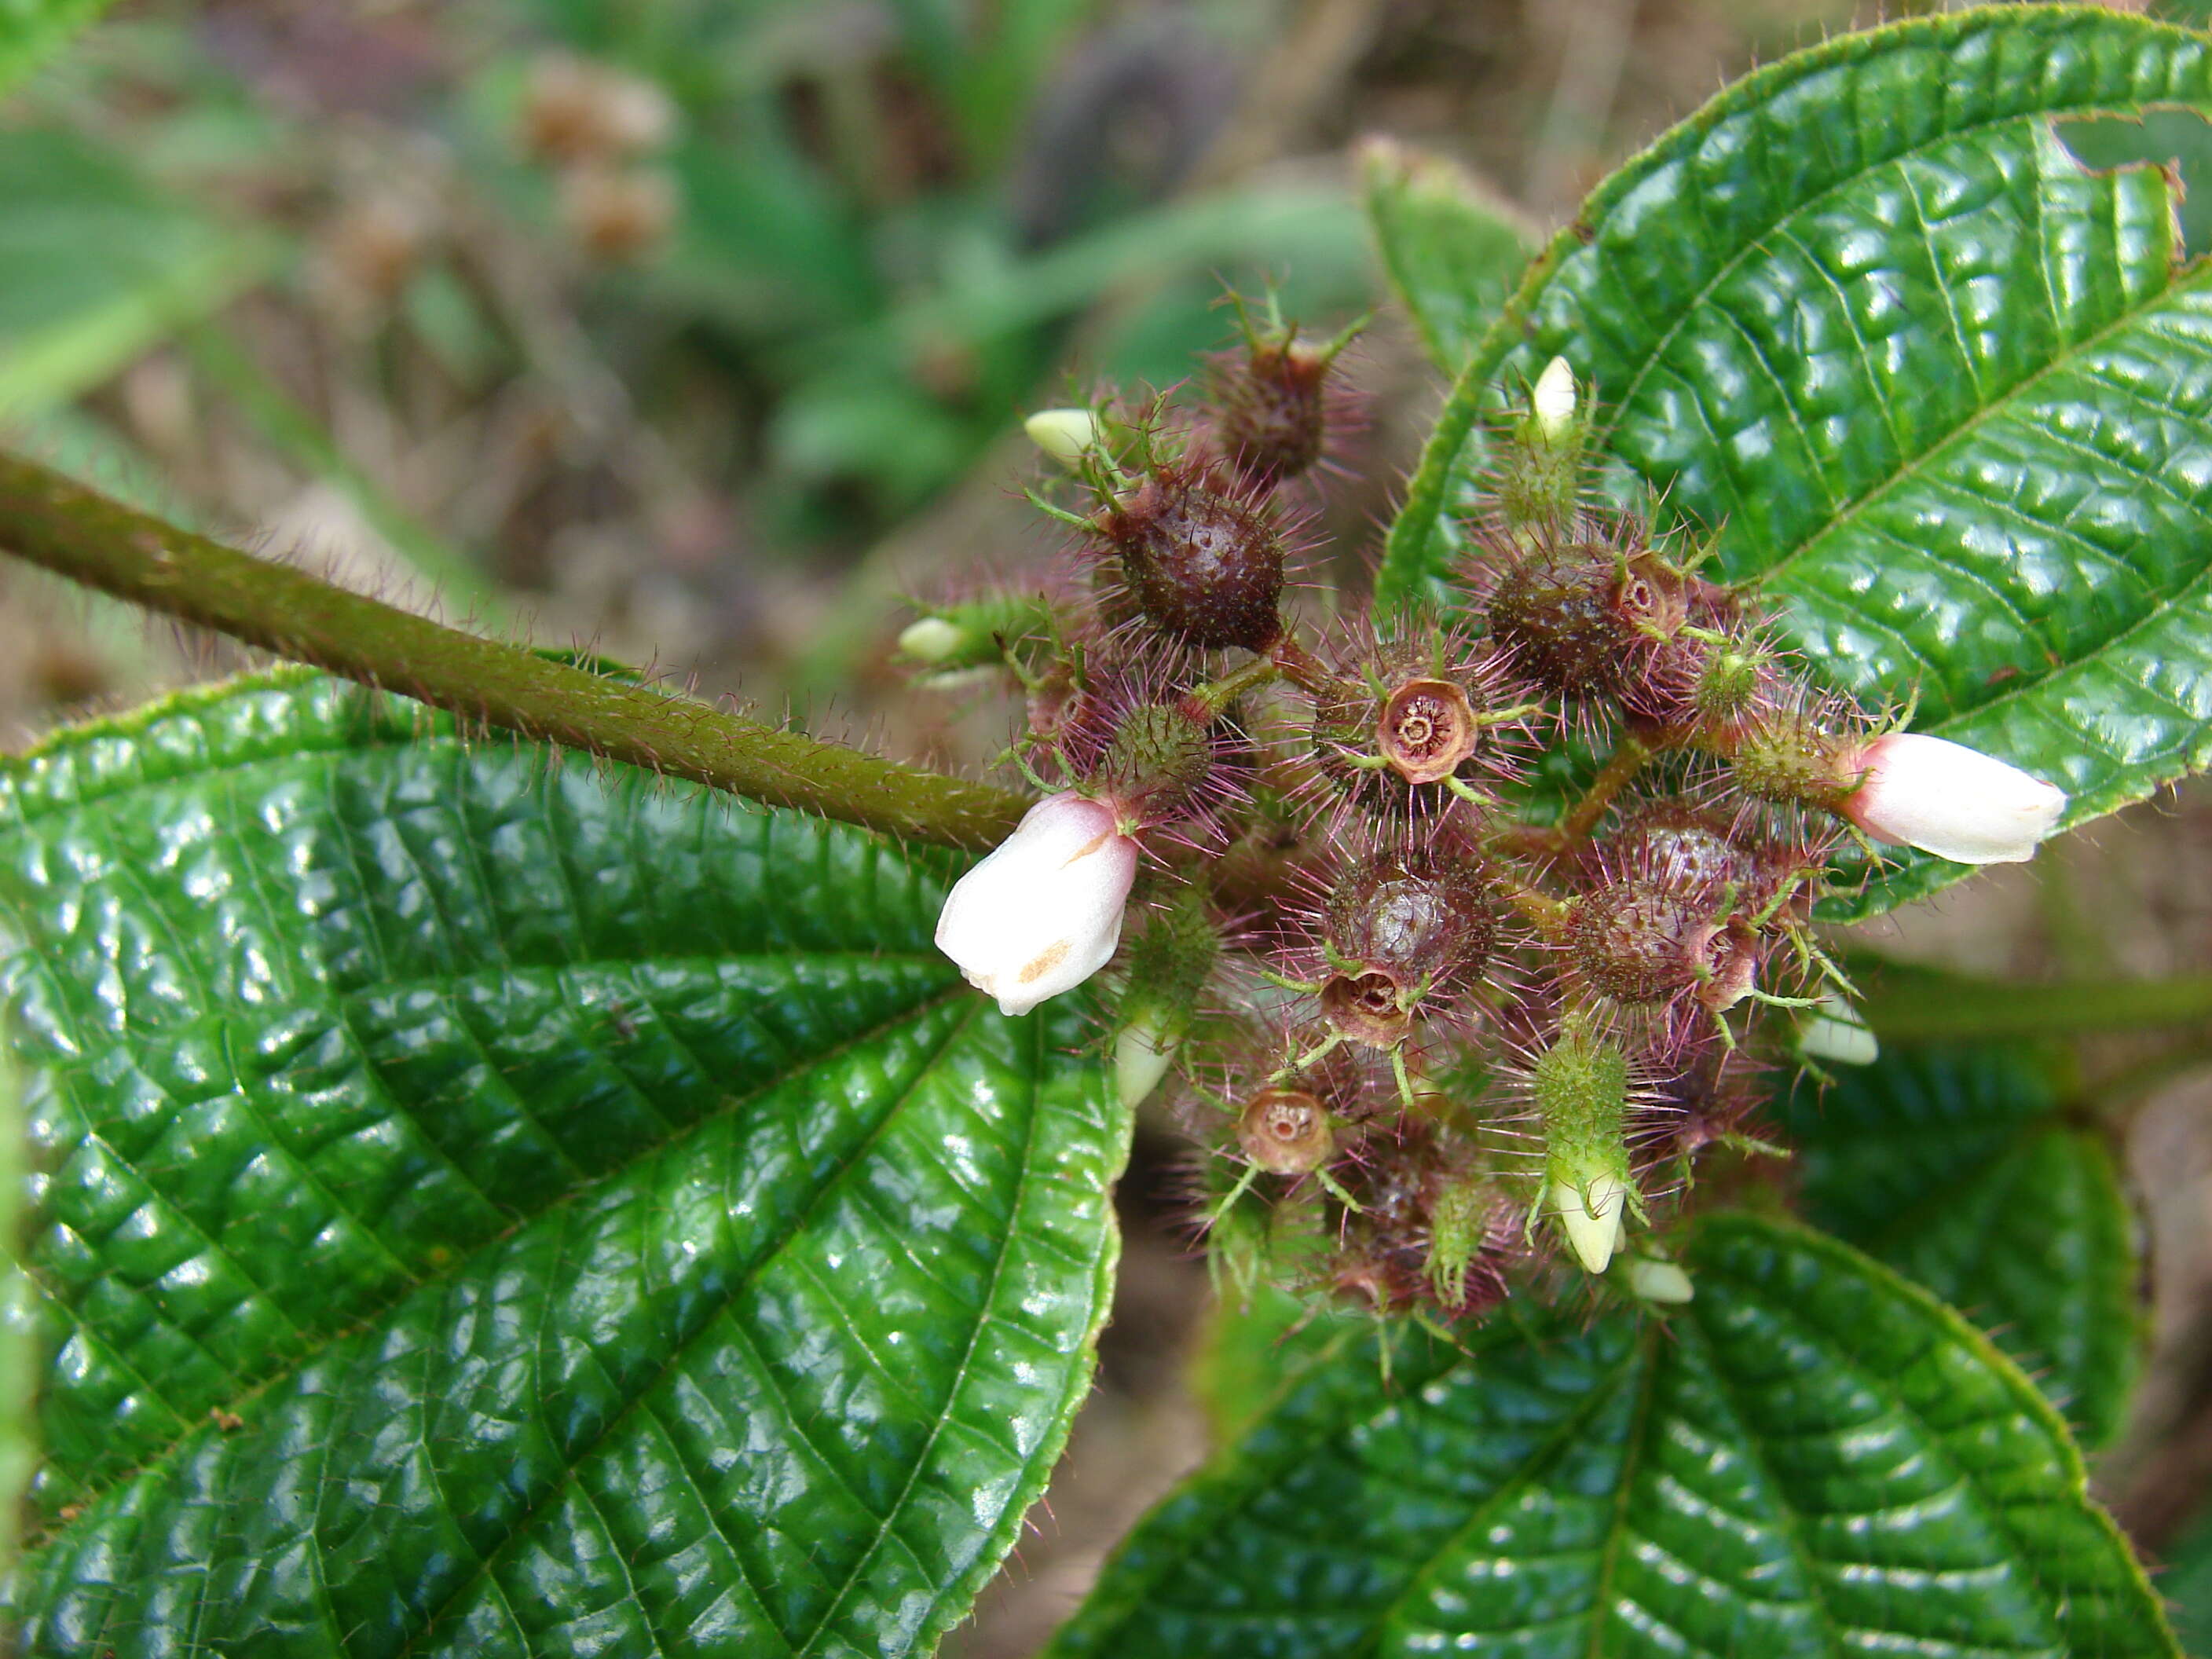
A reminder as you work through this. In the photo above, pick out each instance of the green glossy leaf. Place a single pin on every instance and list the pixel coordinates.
(31, 31)
(1943, 390)
(1451, 251)
(2186, 1584)
(1956, 1166)
(97, 264)
(495, 1207)
(1813, 1457)
(19, 1352)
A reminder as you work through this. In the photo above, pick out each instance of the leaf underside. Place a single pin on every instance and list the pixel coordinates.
(1943, 393)
(1812, 1458)
(495, 1207)
(1955, 1166)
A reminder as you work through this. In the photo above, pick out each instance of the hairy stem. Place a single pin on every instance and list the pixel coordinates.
(1207, 701)
(1625, 761)
(49, 520)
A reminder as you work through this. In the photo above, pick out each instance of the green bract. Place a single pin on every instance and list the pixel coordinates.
(1813, 1457)
(1944, 390)
(494, 1206)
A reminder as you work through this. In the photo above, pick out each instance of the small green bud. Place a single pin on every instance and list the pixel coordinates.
(1066, 434)
(976, 633)
(1657, 1281)
(1458, 1223)
(1143, 1053)
(1729, 680)
(1580, 1087)
(933, 640)
(1590, 1213)
(1835, 1032)
(1552, 401)
(1157, 753)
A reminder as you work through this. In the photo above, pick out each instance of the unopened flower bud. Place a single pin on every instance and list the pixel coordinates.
(1043, 913)
(1580, 1089)
(1946, 798)
(1657, 1281)
(985, 631)
(933, 640)
(1590, 1214)
(1553, 400)
(1143, 1053)
(1066, 434)
(1460, 1221)
(1834, 1032)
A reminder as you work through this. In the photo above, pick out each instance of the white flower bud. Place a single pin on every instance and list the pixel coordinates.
(1066, 434)
(932, 639)
(1955, 802)
(1835, 1032)
(1593, 1224)
(1141, 1059)
(1553, 400)
(1656, 1280)
(1043, 913)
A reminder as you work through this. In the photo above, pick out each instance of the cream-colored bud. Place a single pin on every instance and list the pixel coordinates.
(1066, 434)
(1590, 1214)
(933, 639)
(1141, 1059)
(1553, 399)
(1835, 1032)
(1656, 1280)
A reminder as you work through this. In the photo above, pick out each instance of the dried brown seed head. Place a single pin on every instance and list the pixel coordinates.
(1427, 729)
(1286, 1132)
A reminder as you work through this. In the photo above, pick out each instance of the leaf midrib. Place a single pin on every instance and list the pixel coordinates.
(1529, 1470)
(983, 1319)
(1993, 1510)
(740, 1282)
(93, 1494)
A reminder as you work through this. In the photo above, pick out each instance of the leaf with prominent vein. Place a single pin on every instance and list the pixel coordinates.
(1956, 1166)
(499, 1207)
(1814, 1457)
(1946, 393)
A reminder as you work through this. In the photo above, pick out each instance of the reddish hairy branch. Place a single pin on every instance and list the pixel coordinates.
(51, 521)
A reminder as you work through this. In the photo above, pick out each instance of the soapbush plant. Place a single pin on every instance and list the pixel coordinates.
(483, 1202)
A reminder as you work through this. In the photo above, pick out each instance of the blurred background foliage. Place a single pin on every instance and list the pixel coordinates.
(698, 331)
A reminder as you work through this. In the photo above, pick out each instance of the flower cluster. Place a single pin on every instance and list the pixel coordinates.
(1454, 927)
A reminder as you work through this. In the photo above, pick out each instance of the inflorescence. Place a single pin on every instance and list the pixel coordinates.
(1431, 1010)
